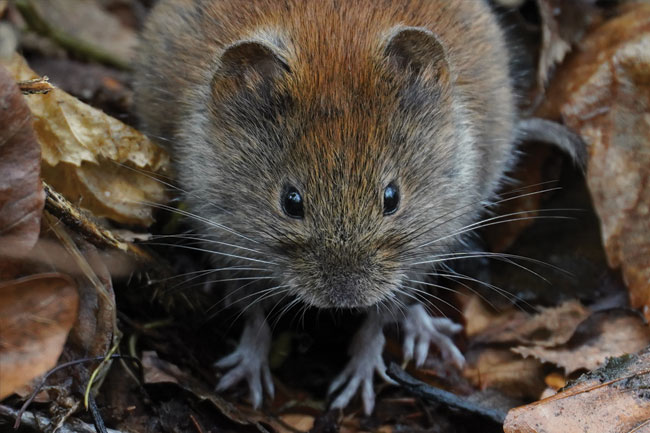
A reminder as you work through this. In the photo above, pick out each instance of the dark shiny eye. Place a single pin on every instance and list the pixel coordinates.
(391, 199)
(292, 203)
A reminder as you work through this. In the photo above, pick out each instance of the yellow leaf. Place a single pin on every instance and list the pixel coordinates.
(93, 159)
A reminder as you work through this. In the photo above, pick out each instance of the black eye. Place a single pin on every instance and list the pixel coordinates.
(391, 199)
(292, 203)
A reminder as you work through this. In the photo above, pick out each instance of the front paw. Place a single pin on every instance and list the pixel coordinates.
(422, 330)
(365, 350)
(250, 362)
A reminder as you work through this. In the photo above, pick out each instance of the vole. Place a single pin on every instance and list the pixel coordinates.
(333, 152)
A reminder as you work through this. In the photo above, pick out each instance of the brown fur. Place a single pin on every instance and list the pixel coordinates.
(321, 100)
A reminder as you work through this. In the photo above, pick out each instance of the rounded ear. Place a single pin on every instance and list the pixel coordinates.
(250, 62)
(418, 51)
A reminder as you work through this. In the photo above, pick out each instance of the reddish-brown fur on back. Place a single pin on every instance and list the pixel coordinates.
(333, 111)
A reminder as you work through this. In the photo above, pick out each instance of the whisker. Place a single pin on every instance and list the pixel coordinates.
(197, 218)
(426, 294)
(501, 219)
(220, 253)
(207, 241)
(499, 290)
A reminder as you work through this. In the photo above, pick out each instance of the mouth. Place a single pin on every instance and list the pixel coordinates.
(342, 299)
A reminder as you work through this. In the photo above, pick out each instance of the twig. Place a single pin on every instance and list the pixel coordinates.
(446, 398)
(97, 416)
(39, 422)
(38, 387)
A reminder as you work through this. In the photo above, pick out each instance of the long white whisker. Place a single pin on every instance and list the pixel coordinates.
(220, 253)
(500, 219)
(208, 241)
(424, 293)
(198, 218)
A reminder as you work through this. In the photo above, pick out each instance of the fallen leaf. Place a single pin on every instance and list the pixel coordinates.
(614, 398)
(603, 92)
(95, 330)
(36, 315)
(481, 320)
(298, 421)
(93, 159)
(161, 371)
(83, 28)
(503, 370)
(157, 370)
(550, 327)
(21, 191)
(603, 335)
(563, 24)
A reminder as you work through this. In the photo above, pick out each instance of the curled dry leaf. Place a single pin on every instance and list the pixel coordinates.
(36, 314)
(95, 330)
(563, 24)
(603, 335)
(614, 398)
(503, 370)
(298, 422)
(157, 370)
(550, 327)
(93, 159)
(603, 92)
(21, 192)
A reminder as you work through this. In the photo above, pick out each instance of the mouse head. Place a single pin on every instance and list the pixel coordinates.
(337, 167)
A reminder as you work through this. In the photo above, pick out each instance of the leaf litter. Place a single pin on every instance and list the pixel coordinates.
(524, 344)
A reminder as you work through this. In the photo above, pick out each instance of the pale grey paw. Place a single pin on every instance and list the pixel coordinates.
(422, 330)
(250, 362)
(365, 350)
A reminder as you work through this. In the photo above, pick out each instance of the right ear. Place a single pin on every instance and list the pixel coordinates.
(417, 51)
(249, 63)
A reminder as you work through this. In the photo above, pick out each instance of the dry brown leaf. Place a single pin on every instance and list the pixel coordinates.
(21, 191)
(505, 371)
(299, 422)
(157, 370)
(612, 399)
(95, 330)
(563, 24)
(82, 27)
(481, 320)
(93, 159)
(603, 335)
(603, 92)
(36, 314)
(550, 327)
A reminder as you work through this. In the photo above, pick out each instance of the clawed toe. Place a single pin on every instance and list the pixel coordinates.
(422, 331)
(249, 362)
(366, 360)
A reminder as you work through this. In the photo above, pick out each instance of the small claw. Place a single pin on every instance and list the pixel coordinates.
(365, 350)
(348, 392)
(427, 330)
(268, 381)
(338, 381)
(228, 361)
(381, 370)
(231, 378)
(409, 346)
(250, 361)
(445, 325)
(255, 390)
(455, 355)
(368, 396)
(421, 352)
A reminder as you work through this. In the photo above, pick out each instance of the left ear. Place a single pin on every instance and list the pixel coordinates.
(417, 51)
